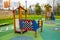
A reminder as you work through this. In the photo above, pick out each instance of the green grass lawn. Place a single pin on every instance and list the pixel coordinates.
(57, 17)
(9, 20)
(33, 17)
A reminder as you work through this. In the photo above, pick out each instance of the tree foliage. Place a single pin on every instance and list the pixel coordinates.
(37, 9)
(48, 7)
(58, 9)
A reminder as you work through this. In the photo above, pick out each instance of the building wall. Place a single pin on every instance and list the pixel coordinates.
(1, 4)
(6, 14)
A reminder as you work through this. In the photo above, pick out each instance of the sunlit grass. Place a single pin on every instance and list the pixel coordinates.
(31, 17)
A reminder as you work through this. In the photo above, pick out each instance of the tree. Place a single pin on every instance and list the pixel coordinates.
(58, 10)
(37, 9)
(30, 9)
(47, 7)
(30, 6)
(47, 11)
(16, 11)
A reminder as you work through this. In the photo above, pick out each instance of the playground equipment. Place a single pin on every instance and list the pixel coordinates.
(26, 24)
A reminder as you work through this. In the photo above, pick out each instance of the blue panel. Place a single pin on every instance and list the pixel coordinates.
(21, 24)
(34, 25)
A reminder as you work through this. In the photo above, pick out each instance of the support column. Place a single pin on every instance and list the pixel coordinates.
(14, 20)
(35, 34)
(25, 14)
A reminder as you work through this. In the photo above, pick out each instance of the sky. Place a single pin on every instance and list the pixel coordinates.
(30, 2)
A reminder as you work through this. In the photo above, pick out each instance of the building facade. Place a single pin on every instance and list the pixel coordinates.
(1, 4)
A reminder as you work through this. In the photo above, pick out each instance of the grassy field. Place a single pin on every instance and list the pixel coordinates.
(57, 17)
(33, 17)
(10, 21)
(36, 16)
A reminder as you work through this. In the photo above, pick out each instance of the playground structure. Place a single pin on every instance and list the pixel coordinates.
(25, 24)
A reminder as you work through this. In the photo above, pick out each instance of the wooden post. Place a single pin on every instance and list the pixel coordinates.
(41, 24)
(26, 10)
(20, 13)
(14, 20)
(41, 29)
(26, 14)
(35, 34)
(20, 16)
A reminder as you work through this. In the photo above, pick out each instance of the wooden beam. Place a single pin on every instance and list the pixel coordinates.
(20, 13)
(14, 20)
(35, 34)
(26, 15)
(21, 8)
